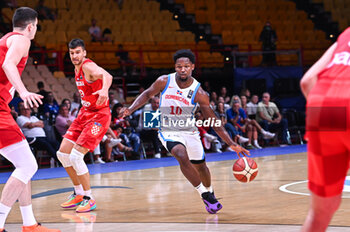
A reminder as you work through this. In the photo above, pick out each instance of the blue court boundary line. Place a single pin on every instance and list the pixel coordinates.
(53, 173)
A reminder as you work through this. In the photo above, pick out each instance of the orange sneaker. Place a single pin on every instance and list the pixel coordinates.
(38, 228)
(86, 205)
(73, 201)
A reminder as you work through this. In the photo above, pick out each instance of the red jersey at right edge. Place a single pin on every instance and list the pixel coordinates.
(86, 89)
(334, 80)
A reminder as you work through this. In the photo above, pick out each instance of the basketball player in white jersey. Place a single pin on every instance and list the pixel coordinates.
(180, 96)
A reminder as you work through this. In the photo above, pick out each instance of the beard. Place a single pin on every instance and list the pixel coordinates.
(183, 80)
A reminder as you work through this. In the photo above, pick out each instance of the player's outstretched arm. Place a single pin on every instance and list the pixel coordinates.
(154, 89)
(203, 100)
(94, 72)
(18, 47)
(310, 78)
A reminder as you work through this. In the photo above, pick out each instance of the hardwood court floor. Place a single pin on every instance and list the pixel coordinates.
(160, 199)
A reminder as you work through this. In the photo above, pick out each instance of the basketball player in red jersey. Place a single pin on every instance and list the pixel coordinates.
(14, 48)
(326, 86)
(88, 129)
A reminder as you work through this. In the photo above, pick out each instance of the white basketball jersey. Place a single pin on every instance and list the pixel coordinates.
(177, 106)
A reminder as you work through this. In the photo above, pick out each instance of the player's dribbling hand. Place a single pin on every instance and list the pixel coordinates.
(240, 150)
(31, 99)
(124, 112)
(102, 97)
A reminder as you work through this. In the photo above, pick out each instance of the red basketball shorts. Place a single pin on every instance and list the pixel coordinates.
(88, 129)
(10, 133)
(328, 134)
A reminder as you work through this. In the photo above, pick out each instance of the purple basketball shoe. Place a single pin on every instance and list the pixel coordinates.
(211, 204)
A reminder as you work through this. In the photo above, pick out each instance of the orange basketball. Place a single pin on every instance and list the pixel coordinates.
(245, 169)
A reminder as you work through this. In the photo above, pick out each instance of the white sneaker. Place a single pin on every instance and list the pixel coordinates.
(99, 161)
(229, 149)
(242, 139)
(157, 156)
(114, 142)
(267, 135)
(256, 144)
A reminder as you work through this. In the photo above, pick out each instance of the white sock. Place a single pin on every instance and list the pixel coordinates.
(27, 215)
(210, 189)
(79, 190)
(104, 138)
(4, 211)
(201, 189)
(88, 193)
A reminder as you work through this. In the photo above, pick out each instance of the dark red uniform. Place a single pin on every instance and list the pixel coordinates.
(328, 123)
(10, 133)
(92, 122)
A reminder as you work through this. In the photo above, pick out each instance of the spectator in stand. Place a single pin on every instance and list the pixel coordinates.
(43, 93)
(226, 106)
(235, 98)
(68, 102)
(125, 60)
(16, 99)
(253, 127)
(44, 12)
(14, 112)
(95, 31)
(112, 140)
(268, 38)
(112, 100)
(209, 141)
(252, 107)
(269, 117)
(32, 129)
(118, 93)
(231, 130)
(246, 92)
(223, 93)
(64, 119)
(75, 104)
(51, 108)
(130, 138)
(214, 97)
(151, 134)
(206, 87)
(107, 35)
(236, 116)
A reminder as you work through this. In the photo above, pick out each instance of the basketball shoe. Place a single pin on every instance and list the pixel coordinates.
(38, 228)
(73, 201)
(3, 230)
(211, 203)
(86, 205)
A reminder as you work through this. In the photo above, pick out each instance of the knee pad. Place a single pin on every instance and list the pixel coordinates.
(77, 161)
(64, 159)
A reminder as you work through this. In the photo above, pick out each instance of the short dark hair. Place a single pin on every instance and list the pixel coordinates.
(40, 84)
(184, 53)
(23, 16)
(74, 43)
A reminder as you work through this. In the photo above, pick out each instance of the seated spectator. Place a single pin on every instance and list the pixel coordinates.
(253, 127)
(231, 130)
(252, 107)
(43, 93)
(125, 60)
(112, 140)
(223, 93)
(269, 117)
(130, 138)
(63, 120)
(226, 106)
(245, 92)
(107, 35)
(235, 98)
(151, 134)
(14, 112)
(44, 12)
(118, 93)
(112, 100)
(75, 104)
(214, 97)
(95, 31)
(68, 102)
(51, 108)
(32, 129)
(209, 141)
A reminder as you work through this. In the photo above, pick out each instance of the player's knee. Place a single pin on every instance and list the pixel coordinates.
(25, 172)
(77, 161)
(64, 159)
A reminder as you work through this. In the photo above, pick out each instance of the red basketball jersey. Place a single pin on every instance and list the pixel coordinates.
(86, 89)
(334, 80)
(6, 89)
